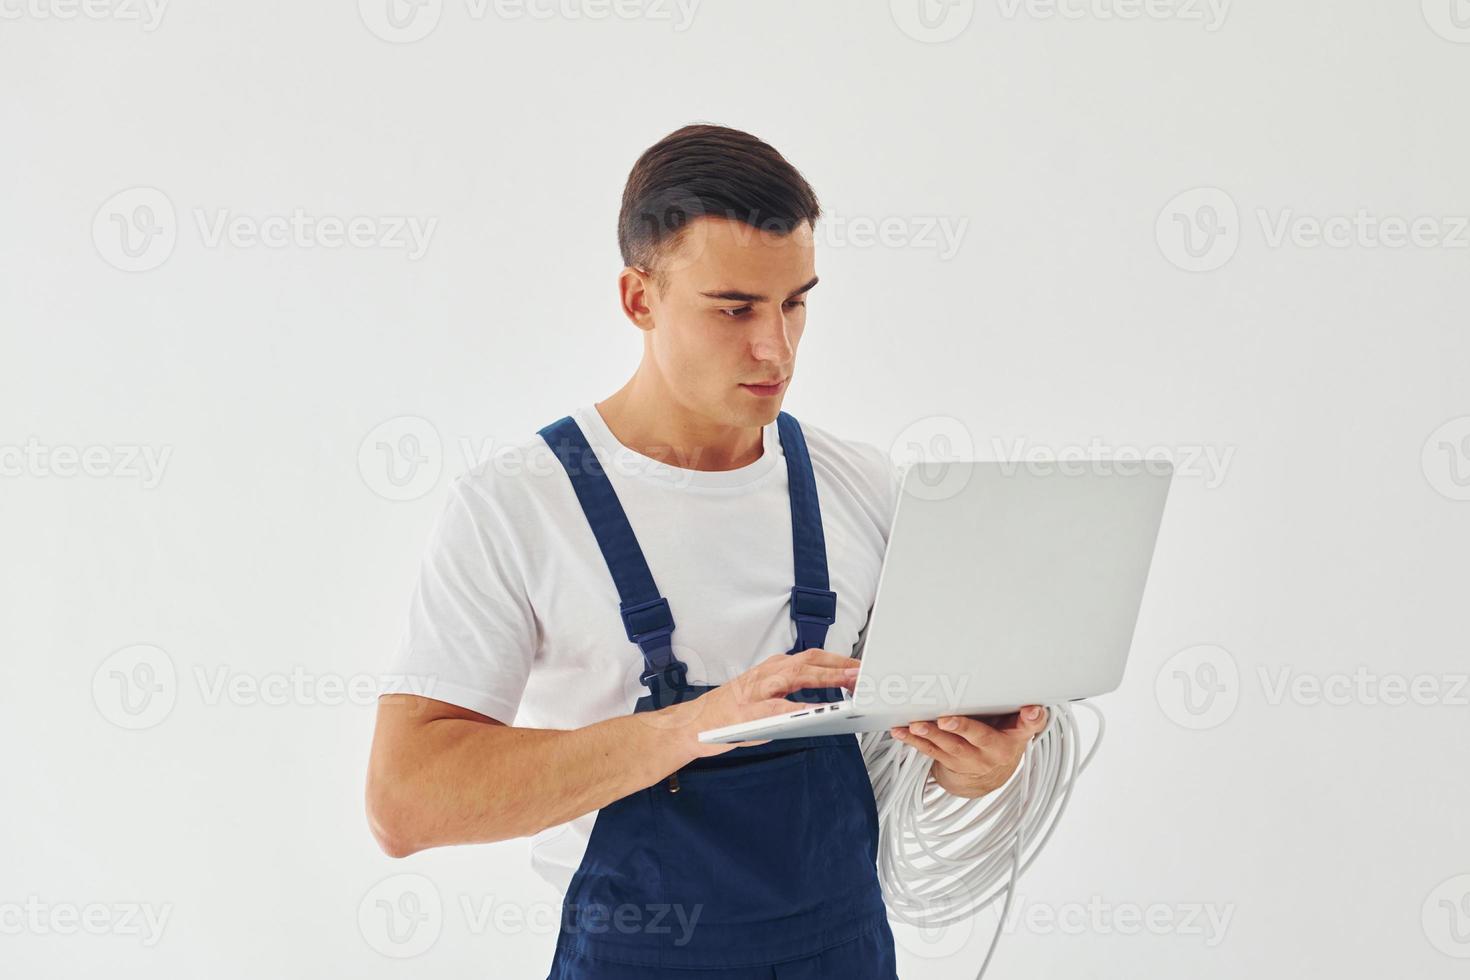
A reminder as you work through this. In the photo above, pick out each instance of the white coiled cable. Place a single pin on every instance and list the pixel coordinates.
(943, 858)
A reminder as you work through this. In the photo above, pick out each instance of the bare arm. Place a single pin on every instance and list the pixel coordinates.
(439, 774)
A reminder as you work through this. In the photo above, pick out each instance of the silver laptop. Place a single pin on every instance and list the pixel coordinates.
(1003, 584)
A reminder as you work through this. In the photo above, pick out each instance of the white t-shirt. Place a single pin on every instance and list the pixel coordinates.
(516, 615)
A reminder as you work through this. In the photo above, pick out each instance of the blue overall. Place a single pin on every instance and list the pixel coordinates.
(759, 862)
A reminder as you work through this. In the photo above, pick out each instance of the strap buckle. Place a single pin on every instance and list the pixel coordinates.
(674, 674)
(810, 605)
(645, 621)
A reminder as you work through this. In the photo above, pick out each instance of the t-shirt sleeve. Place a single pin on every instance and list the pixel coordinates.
(471, 634)
(883, 479)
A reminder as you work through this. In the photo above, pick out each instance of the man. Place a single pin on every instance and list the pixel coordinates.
(654, 565)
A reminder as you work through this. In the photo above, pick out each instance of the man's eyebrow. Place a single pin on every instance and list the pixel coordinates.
(735, 296)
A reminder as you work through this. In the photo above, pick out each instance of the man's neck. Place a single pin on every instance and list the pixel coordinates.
(657, 426)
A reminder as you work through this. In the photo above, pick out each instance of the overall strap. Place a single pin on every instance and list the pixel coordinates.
(813, 604)
(647, 618)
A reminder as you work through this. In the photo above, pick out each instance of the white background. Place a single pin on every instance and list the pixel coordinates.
(1328, 538)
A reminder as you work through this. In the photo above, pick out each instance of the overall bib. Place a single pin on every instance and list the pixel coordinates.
(759, 862)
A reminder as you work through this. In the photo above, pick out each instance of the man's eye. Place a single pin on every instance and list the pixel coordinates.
(736, 312)
(796, 302)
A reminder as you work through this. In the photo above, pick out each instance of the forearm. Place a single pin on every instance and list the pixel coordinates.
(462, 781)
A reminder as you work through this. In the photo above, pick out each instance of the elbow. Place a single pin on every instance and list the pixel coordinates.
(393, 843)
(391, 823)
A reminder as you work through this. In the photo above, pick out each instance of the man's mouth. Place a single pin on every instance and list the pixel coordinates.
(766, 388)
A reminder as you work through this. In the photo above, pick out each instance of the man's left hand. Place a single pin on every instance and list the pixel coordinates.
(974, 755)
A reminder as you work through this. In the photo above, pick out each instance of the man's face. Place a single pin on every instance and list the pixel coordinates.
(730, 316)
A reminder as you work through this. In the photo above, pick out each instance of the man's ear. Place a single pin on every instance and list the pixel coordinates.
(635, 286)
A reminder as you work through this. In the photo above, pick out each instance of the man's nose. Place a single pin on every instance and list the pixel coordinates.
(773, 339)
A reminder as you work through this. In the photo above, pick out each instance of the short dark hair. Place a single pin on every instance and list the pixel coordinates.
(707, 171)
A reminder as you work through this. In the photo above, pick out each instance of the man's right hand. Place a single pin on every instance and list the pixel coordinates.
(758, 693)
